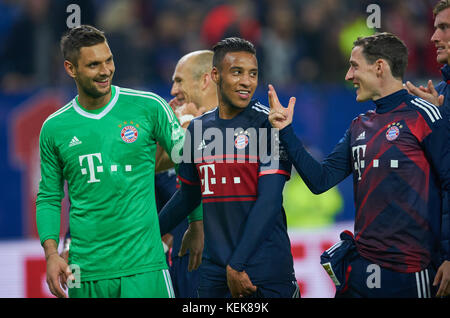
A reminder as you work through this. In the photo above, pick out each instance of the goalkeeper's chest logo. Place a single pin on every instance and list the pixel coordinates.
(129, 133)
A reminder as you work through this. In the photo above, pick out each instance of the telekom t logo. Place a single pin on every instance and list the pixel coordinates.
(94, 162)
(359, 159)
(90, 161)
(204, 171)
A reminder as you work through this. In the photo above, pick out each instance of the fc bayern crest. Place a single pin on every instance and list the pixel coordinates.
(129, 134)
(392, 133)
(241, 142)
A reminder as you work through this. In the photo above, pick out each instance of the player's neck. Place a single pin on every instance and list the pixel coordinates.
(90, 103)
(210, 102)
(388, 88)
(227, 111)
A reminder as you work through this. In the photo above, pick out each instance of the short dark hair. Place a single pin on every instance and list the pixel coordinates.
(441, 6)
(76, 38)
(233, 44)
(385, 46)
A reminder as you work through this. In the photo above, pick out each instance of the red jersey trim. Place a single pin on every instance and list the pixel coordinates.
(188, 182)
(274, 171)
(209, 200)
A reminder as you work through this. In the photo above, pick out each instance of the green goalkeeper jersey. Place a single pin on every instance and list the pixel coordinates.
(107, 157)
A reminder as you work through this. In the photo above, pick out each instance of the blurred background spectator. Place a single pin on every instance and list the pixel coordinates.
(298, 41)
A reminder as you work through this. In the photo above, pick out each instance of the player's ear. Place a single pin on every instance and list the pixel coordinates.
(70, 69)
(215, 75)
(206, 78)
(380, 67)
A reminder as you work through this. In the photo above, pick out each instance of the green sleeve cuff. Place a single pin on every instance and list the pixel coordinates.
(197, 214)
(48, 224)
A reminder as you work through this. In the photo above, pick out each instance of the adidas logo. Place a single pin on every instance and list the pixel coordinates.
(75, 141)
(361, 136)
(202, 145)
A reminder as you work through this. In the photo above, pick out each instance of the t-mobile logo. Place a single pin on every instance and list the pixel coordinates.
(359, 158)
(91, 166)
(204, 170)
(94, 163)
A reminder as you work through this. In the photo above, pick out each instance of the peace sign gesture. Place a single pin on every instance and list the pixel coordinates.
(280, 116)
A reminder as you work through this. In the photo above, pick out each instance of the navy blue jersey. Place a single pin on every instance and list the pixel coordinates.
(166, 184)
(443, 88)
(226, 158)
(399, 158)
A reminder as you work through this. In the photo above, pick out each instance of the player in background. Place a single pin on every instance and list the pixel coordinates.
(103, 143)
(247, 250)
(194, 93)
(440, 95)
(398, 155)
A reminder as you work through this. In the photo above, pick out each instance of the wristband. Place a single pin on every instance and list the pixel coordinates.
(185, 118)
(166, 248)
(67, 244)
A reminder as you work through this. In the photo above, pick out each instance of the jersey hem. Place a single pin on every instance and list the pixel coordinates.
(139, 270)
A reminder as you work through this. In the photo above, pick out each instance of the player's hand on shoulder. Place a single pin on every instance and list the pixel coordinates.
(442, 279)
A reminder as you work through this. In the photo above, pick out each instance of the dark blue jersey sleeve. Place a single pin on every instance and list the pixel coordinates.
(183, 202)
(319, 177)
(436, 144)
(261, 218)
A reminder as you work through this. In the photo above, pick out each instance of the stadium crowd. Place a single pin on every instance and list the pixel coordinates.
(297, 41)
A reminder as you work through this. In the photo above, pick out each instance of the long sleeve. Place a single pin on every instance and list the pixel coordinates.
(183, 202)
(436, 145)
(319, 177)
(261, 218)
(48, 202)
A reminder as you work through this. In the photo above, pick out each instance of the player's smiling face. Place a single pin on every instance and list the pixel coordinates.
(237, 79)
(441, 35)
(184, 87)
(95, 70)
(363, 76)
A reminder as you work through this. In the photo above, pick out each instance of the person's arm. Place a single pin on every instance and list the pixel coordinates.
(260, 220)
(435, 139)
(182, 203)
(162, 160)
(48, 210)
(319, 177)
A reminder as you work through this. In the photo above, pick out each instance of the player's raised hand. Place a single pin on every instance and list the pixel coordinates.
(193, 240)
(239, 283)
(442, 279)
(187, 112)
(174, 103)
(428, 93)
(280, 116)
